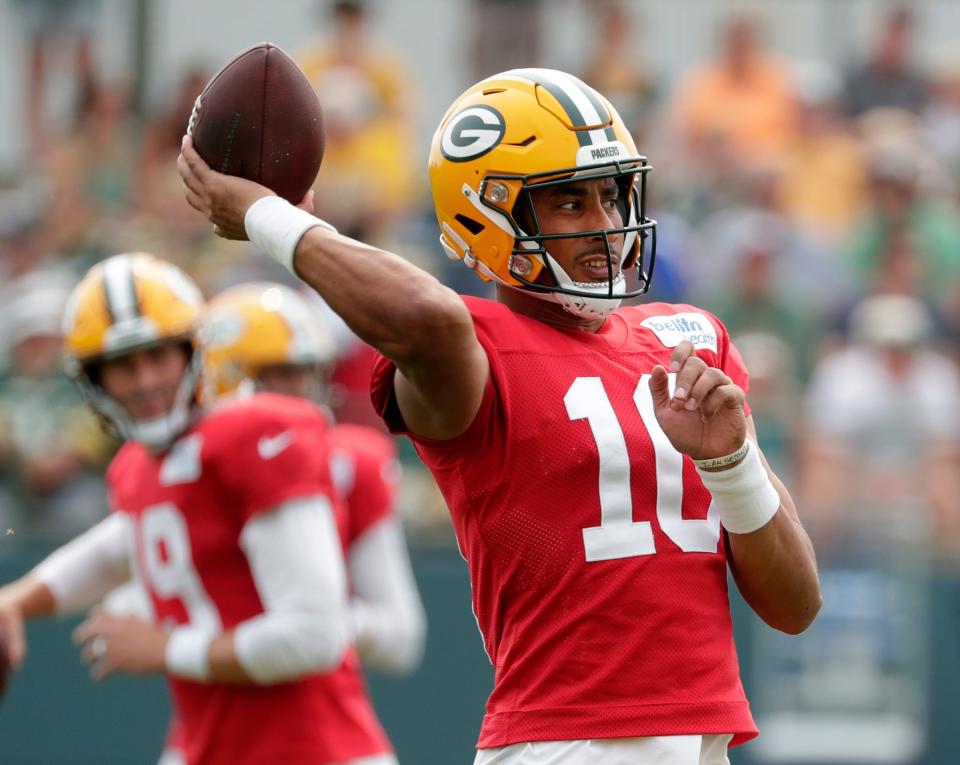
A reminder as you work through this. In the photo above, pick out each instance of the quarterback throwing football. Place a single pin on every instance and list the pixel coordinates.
(599, 462)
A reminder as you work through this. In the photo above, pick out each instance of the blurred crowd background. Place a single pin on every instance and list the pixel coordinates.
(806, 186)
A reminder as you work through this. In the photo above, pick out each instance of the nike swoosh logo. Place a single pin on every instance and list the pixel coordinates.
(269, 447)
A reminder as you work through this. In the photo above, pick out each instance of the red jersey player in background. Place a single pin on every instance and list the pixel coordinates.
(225, 518)
(266, 337)
(599, 462)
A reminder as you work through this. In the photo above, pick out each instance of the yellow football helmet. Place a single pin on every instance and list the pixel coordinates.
(124, 304)
(253, 326)
(527, 129)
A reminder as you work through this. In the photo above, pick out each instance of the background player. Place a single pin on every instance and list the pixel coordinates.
(548, 411)
(225, 517)
(267, 337)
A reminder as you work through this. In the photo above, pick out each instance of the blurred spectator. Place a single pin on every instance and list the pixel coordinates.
(739, 106)
(756, 297)
(760, 272)
(504, 34)
(52, 27)
(679, 250)
(941, 118)
(368, 177)
(51, 448)
(159, 183)
(907, 240)
(104, 146)
(21, 207)
(823, 178)
(91, 177)
(888, 77)
(774, 394)
(881, 459)
(614, 68)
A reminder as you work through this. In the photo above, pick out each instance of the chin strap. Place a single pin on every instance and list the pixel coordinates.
(599, 306)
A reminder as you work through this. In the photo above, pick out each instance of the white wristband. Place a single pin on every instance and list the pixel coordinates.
(188, 653)
(743, 494)
(276, 227)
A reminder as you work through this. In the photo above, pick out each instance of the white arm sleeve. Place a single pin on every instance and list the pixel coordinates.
(297, 565)
(388, 617)
(84, 570)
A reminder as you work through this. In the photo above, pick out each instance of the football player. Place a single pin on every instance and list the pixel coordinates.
(266, 337)
(599, 461)
(225, 517)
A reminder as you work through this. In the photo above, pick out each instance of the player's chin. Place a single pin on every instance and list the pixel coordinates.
(149, 413)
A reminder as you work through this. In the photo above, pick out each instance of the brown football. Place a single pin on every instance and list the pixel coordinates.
(259, 118)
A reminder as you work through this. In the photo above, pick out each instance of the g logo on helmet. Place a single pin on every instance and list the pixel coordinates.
(472, 133)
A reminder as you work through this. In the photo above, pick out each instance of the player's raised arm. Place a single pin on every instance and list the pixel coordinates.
(399, 309)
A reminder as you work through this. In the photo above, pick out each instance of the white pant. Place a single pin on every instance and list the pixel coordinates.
(653, 750)
(171, 756)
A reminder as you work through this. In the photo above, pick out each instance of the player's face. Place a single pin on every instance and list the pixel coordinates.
(145, 382)
(299, 380)
(575, 207)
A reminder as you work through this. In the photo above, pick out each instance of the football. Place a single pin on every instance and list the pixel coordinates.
(259, 118)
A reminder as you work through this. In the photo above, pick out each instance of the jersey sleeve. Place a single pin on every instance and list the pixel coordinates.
(483, 433)
(376, 478)
(270, 458)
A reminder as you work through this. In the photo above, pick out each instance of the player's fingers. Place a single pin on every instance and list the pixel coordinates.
(87, 629)
(659, 387)
(235, 233)
(90, 652)
(687, 377)
(680, 354)
(196, 201)
(189, 178)
(102, 669)
(194, 161)
(16, 641)
(729, 395)
(307, 202)
(710, 378)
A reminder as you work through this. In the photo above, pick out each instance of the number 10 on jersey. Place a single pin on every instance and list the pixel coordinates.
(619, 535)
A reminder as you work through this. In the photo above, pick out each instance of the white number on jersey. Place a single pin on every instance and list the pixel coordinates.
(618, 535)
(168, 564)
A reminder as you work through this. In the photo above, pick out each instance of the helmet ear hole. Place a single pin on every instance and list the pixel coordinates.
(471, 225)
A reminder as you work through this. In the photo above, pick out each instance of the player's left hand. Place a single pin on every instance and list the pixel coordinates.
(704, 418)
(127, 644)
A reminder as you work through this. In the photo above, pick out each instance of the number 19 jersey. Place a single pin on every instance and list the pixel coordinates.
(596, 561)
(188, 509)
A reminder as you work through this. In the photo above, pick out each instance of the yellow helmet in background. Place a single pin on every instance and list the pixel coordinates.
(528, 129)
(124, 304)
(257, 325)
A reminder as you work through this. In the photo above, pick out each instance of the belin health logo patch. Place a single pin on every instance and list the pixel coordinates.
(673, 329)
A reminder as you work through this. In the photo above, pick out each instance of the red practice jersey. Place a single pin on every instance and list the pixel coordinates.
(364, 469)
(189, 507)
(598, 571)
